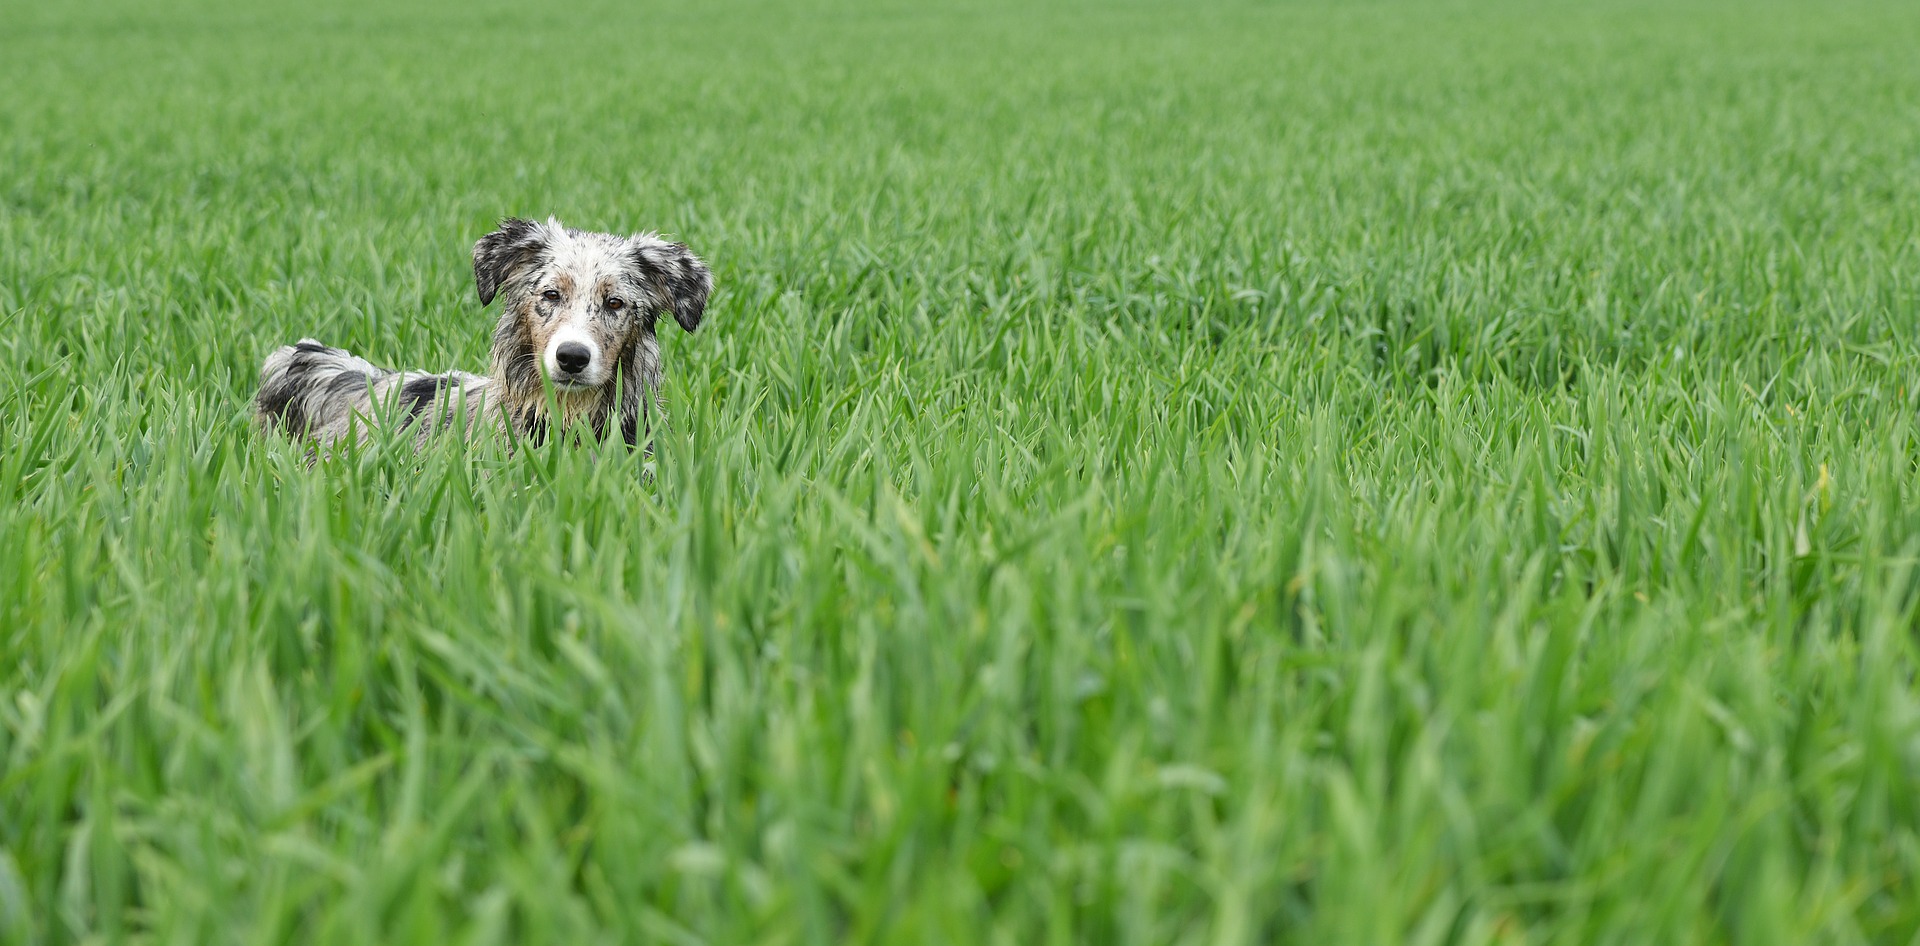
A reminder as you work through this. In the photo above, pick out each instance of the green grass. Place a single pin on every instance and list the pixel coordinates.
(1242, 472)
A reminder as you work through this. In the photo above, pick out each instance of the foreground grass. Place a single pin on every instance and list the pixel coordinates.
(1250, 473)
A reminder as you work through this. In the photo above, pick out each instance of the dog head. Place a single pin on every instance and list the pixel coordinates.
(578, 306)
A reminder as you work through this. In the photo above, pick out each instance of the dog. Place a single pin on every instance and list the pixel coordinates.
(574, 346)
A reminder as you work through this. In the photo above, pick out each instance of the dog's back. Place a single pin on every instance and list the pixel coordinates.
(309, 389)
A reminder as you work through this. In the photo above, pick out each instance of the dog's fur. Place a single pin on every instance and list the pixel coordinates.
(565, 295)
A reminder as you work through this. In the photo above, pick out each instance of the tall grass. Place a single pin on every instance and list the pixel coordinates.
(1230, 473)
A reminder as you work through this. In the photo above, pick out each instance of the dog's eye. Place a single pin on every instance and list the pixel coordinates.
(551, 295)
(615, 304)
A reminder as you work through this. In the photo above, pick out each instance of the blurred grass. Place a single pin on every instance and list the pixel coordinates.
(1230, 473)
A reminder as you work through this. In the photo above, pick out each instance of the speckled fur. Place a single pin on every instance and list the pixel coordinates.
(601, 292)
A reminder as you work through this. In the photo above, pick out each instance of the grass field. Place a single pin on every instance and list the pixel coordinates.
(1240, 472)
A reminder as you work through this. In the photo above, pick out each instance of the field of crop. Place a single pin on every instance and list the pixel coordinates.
(1238, 472)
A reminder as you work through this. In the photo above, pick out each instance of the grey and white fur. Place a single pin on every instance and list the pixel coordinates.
(576, 335)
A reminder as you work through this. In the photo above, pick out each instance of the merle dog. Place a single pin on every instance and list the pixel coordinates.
(574, 345)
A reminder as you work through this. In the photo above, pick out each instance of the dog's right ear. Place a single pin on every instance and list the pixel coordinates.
(517, 243)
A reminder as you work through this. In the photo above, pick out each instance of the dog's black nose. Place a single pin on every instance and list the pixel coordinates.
(572, 356)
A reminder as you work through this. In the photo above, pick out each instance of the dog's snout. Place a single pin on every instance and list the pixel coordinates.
(572, 357)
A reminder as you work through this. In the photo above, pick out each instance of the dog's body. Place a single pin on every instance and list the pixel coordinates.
(575, 336)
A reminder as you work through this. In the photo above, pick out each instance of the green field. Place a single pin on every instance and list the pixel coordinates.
(1240, 472)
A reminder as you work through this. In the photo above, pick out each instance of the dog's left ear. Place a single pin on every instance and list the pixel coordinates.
(680, 276)
(517, 243)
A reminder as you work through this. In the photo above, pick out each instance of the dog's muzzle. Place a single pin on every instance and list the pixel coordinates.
(573, 361)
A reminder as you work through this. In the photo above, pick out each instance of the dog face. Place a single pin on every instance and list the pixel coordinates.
(579, 306)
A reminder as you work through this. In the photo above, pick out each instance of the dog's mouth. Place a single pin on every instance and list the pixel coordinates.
(572, 385)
